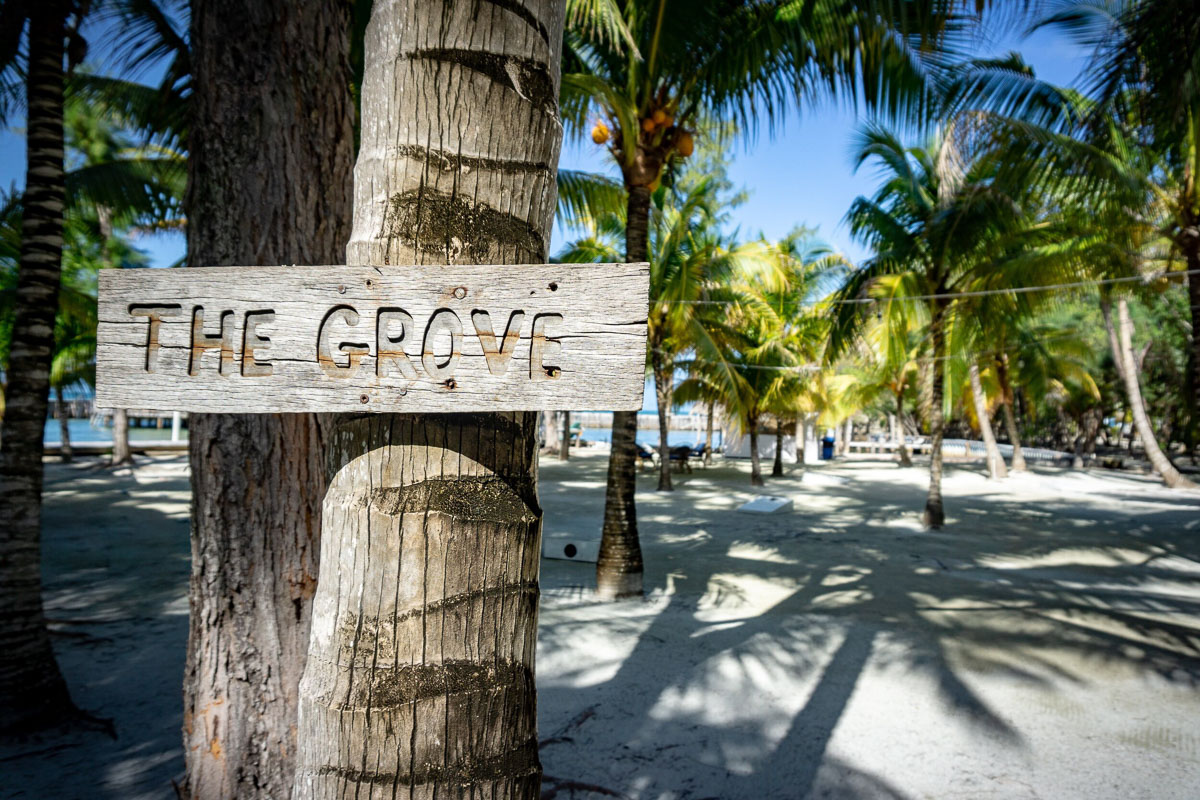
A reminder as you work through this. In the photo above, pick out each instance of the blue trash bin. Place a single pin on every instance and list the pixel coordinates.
(827, 448)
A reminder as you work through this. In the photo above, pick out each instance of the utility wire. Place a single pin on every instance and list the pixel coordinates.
(952, 295)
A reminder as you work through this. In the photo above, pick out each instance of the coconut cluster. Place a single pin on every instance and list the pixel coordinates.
(682, 139)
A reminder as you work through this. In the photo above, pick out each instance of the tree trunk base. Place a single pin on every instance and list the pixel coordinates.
(620, 586)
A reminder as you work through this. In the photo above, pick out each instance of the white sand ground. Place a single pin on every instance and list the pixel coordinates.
(1045, 644)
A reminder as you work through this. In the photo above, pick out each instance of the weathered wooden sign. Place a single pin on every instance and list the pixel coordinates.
(417, 338)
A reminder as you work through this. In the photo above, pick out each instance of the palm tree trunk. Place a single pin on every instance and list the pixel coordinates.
(1120, 338)
(777, 467)
(708, 436)
(995, 461)
(564, 450)
(33, 694)
(120, 434)
(420, 671)
(935, 513)
(898, 431)
(551, 437)
(619, 567)
(848, 436)
(1085, 425)
(64, 426)
(1191, 250)
(269, 183)
(1095, 419)
(756, 478)
(1010, 419)
(662, 393)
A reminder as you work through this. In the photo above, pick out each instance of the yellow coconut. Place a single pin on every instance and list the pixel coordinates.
(600, 133)
(659, 117)
(648, 125)
(685, 145)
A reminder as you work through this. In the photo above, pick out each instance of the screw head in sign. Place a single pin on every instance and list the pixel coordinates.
(460, 292)
(362, 398)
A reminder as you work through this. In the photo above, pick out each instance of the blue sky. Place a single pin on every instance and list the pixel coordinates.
(803, 175)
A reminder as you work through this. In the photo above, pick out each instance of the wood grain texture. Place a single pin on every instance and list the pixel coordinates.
(272, 339)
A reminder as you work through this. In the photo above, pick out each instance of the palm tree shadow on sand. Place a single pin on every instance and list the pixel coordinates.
(1058, 587)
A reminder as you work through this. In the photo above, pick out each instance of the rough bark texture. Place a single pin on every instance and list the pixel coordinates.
(32, 692)
(619, 568)
(662, 394)
(269, 184)
(120, 436)
(63, 412)
(1121, 340)
(995, 461)
(420, 675)
(564, 449)
(935, 514)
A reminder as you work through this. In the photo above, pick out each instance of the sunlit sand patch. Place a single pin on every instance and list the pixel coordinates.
(1068, 556)
(756, 552)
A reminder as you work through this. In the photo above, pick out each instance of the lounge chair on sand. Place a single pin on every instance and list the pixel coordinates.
(679, 455)
(646, 456)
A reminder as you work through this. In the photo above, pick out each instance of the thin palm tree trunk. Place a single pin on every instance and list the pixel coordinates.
(1192, 254)
(64, 426)
(935, 513)
(33, 694)
(120, 434)
(898, 432)
(662, 393)
(777, 467)
(708, 437)
(619, 567)
(756, 478)
(1010, 419)
(420, 673)
(1120, 338)
(995, 461)
(564, 449)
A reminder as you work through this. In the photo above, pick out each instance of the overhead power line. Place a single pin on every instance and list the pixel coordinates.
(1048, 287)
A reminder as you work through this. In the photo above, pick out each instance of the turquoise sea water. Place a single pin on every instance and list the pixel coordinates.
(650, 438)
(83, 431)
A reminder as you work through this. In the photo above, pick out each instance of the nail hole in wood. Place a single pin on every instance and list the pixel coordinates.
(554, 287)
(450, 383)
